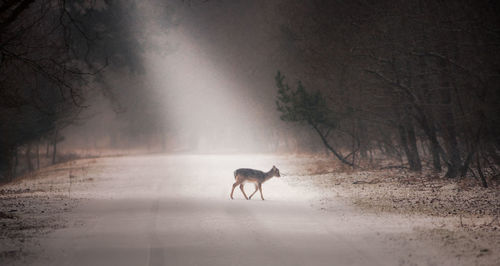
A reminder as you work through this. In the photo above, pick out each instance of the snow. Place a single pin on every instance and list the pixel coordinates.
(175, 210)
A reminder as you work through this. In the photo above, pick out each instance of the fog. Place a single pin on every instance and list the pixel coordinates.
(129, 128)
(363, 82)
(206, 82)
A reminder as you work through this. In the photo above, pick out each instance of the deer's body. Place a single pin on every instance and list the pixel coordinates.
(246, 175)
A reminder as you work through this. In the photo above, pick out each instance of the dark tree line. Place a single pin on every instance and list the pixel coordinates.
(52, 55)
(407, 79)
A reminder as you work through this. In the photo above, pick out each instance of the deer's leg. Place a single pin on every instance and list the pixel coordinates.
(244, 194)
(260, 189)
(256, 188)
(234, 186)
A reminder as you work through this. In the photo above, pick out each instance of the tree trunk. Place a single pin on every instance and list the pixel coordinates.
(16, 162)
(353, 148)
(29, 163)
(412, 145)
(450, 138)
(423, 148)
(6, 167)
(480, 171)
(436, 159)
(406, 143)
(430, 131)
(330, 148)
(362, 140)
(47, 149)
(38, 154)
(54, 147)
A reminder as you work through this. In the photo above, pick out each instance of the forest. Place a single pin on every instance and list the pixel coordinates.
(415, 83)
(379, 120)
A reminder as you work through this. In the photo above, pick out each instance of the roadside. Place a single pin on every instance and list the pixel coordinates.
(34, 205)
(459, 221)
(458, 215)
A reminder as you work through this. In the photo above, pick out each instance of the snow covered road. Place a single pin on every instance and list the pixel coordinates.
(175, 210)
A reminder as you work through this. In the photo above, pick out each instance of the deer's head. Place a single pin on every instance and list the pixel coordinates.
(275, 171)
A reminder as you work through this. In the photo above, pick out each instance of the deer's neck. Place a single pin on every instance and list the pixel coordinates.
(268, 175)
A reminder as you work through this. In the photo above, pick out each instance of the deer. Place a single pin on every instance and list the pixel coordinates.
(246, 175)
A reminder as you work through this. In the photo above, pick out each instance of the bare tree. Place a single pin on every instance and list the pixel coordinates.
(422, 72)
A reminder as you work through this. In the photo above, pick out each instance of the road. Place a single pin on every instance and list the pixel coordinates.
(175, 210)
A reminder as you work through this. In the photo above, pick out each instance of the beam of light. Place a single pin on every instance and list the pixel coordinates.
(204, 109)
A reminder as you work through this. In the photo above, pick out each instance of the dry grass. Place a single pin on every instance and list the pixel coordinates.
(465, 216)
(33, 205)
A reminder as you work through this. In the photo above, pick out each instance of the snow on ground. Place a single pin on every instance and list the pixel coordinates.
(175, 210)
(457, 216)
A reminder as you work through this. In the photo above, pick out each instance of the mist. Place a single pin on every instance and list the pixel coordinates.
(206, 82)
(356, 82)
(249, 132)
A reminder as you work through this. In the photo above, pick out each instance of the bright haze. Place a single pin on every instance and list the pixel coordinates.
(205, 84)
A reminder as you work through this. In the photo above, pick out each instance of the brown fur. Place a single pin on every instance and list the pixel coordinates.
(246, 175)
